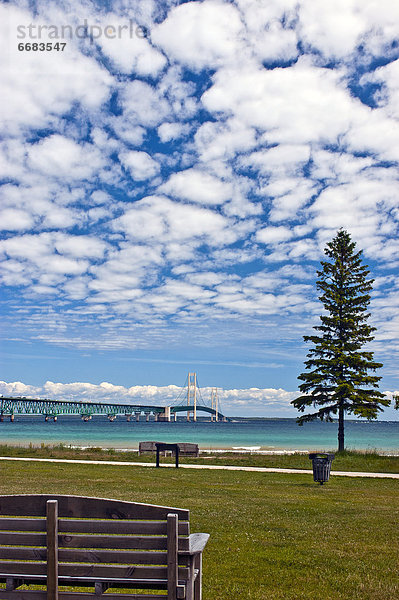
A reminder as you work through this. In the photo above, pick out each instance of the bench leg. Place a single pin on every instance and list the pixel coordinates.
(172, 537)
(190, 582)
(198, 579)
(100, 587)
(12, 584)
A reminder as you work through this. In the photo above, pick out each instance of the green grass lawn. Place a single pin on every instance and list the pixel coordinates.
(273, 536)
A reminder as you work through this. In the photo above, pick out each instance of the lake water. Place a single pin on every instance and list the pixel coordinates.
(269, 434)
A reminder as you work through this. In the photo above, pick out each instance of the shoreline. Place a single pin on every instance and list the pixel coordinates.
(205, 451)
(219, 450)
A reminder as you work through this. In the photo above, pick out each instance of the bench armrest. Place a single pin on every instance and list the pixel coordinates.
(197, 543)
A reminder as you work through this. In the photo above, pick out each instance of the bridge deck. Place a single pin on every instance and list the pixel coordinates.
(53, 408)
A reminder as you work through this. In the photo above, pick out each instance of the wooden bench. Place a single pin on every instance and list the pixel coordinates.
(188, 449)
(80, 542)
(185, 448)
(147, 447)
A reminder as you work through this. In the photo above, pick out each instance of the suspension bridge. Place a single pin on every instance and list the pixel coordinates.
(189, 401)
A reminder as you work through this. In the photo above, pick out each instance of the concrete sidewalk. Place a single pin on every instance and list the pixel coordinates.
(216, 467)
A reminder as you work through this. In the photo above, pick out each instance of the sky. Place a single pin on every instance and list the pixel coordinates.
(171, 173)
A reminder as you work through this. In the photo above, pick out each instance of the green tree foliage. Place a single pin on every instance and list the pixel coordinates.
(337, 380)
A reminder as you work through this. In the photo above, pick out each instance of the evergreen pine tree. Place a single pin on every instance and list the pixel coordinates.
(337, 379)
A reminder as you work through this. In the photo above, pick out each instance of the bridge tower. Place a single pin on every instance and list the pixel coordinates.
(192, 394)
(214, 403)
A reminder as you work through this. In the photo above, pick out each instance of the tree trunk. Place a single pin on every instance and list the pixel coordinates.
(341, 434)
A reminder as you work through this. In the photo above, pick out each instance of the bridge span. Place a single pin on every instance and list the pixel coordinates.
(52, 409)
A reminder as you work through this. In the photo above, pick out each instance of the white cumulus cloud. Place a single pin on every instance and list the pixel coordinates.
(140, 165)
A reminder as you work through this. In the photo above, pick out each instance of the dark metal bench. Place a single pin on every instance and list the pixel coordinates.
(162, 447)
(80, 542)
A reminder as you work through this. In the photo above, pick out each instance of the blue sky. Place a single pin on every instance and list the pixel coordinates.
(169, 185)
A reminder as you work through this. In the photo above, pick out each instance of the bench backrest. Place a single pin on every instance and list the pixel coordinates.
(188, 448)
(94, 542)
(147, 447)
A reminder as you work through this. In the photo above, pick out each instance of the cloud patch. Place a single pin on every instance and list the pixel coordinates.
(140, 165)
(200, 34)
(197, 186)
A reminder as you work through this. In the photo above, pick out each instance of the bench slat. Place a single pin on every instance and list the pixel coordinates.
(120, 527)
(91, 526)
(22, 553)
(115, 582)
(111, 582)
(92, 541)
(91, 571)
(22, 539)
(92, 556)
(118, 542)
(25, 595)
(81, 506)
(38, 595)
(15, 524)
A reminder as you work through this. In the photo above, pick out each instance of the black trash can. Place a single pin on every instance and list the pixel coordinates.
(321, 466)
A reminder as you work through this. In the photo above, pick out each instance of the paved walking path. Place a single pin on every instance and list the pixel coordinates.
(191, 466)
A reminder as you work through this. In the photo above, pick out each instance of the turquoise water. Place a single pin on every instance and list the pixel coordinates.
(269, 434)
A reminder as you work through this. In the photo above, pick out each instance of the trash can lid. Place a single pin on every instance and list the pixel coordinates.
(325, 455)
